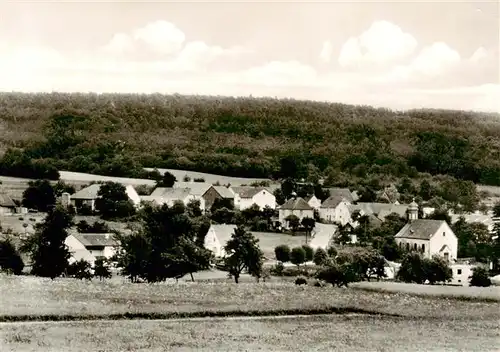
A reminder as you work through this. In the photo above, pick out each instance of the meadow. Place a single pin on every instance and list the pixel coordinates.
(34, 297)
(318, 333)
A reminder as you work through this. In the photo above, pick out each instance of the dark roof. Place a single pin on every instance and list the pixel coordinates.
(224, 192)
(422, 229)
(6, 201)
(341, 192)
(248, 191)
(96, 239)
(296, 204)
(89, 192)
(333, 201)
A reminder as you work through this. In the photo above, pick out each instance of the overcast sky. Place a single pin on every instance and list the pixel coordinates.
(393, 54)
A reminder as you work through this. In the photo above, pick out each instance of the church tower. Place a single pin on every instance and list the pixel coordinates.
(413, 211)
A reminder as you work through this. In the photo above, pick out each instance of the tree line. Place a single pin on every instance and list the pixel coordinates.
(118, 135)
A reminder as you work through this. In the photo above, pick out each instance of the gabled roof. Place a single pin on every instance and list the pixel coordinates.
(248, 191)
(381, 210)
(224, 192)
(296, 204)
(422, 229)
(333, 201)
(6, 201)
(168, 194)
(96, 239)
(223, 232)
(89, 192)
(309, 197)
(341, 192)
(196, 188)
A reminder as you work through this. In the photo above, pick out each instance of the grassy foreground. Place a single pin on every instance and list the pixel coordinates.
(30, 296)
(319, 333)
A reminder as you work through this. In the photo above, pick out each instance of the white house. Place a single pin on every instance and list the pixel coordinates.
(313, 201)
(335, 209)
(90, 246)
(295, 206)
(165, 195)
(217, 237)
(88, 195)
(461, 273)
(322, 236)
(7, 205)
(246, 196)
(429, 237)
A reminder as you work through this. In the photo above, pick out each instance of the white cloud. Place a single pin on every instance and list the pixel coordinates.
(161, 36)
(326, 52)
(383, 43)
(279, 73)
(479, 55)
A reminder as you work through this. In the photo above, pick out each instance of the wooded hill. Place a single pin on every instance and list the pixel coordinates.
(118, 134)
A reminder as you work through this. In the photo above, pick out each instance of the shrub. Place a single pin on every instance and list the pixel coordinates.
(480, 277)
(278, 269)
(282, 253)
(298, 256)
(80, 269)
(335, 274)
(309, 252)
(332, 252)
(320, 256)
(199, 179)
(101, 269)
(437, 270)
(300, 281)
(10, 260)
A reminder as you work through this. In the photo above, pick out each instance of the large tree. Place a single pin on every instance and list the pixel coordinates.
(39, 196)
(10, 260)
(46, 247)
(113, 201)
(243, 253)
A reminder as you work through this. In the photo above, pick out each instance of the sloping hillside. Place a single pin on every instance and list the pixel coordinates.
(118, 135)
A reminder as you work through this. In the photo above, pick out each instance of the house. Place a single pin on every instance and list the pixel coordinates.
(7, 205)
(488, 220)
(88, 195)
(168, 196)
(429, 237)
(295, 206)
(461, 273)
(351, 197)
(201, 190)
(380, 210)
(90, 246)
(313, 201)
(217, 237)
(246, 196)
(322, 236)
(389, 194)
(224, 192)
(335, 209)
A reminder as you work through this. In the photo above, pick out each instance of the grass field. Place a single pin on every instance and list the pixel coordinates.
(269, 240)
(320, 333)
(35, 296)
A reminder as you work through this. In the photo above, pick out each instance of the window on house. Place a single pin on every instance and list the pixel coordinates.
(415, 246)
(423, 247)
(459, 280)
(459, 271)
(407, 246)
(444, 233)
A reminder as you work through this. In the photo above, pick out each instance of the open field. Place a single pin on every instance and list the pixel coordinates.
(320, 333)
(269, 240)
(36, 296)
(210, 178)
(492, 292)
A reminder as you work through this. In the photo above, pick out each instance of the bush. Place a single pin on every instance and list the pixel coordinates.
(332, 252)
(320, 256)
(80, 269)
(101, 269)
(199, 179)
(282, 253)
(480, 277)
(298, 256)
(309, 252)
(416, 269)
(335, 274)
(278, 269)
(300, 281)
(10, 260)
(437, 270)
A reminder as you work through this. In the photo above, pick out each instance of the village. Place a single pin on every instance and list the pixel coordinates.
(336, 222)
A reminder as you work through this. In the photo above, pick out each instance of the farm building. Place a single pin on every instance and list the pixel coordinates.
(429, 237)
(168, 196)
(335, 209)
(88, 195)
(203, 191)
(313, 201)
(90, 246)
(7, 205)
(295, 206)
(246, 196)
(217, 237)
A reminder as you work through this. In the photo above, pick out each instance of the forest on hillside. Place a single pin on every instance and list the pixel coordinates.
(118, 135)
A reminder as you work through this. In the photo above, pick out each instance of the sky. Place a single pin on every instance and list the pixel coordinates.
(399, 55)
